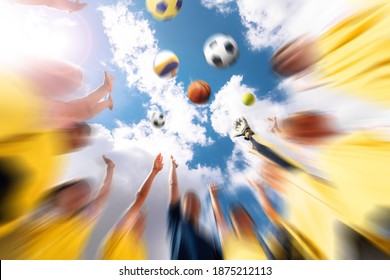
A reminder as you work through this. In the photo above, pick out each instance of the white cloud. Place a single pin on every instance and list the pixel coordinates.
(67, 22)
(134, 47)
(228, 106)
(242, 158)
(269, 23)
(222, 6)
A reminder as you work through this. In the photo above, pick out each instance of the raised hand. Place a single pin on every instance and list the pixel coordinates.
(173, 161)
(213, 188)
(108, 161)
(158, 163)
(257, 185)
(108, 83)
(273, 124)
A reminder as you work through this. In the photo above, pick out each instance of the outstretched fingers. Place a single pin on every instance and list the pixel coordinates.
(158, 162)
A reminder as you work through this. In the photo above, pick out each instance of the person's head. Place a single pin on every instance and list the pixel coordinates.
(294, 57)
(78, 135)
(71, 196)
(191, 207)
(242, 222)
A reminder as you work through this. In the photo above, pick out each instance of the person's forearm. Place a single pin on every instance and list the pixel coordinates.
(143, 191)
(33, 2)
(266, 152)
(95, 96)
(106, 187)
(271, 213)
(267, 206)
(219, 218)
(109, 175)
(62, 5)
(98, 203)
(100, 90)
(132, 212)
(173, 186)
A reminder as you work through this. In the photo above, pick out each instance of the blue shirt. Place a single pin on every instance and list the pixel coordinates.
(186, 242)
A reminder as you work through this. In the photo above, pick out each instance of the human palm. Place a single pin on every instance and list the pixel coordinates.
(108, 161)
(158, 163)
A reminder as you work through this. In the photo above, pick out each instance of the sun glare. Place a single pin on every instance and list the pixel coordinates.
(31, 31)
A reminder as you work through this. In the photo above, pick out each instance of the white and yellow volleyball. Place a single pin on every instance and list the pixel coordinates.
(164, 9)
(166, 64)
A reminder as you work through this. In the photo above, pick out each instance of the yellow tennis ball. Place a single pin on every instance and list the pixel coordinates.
(248, 99)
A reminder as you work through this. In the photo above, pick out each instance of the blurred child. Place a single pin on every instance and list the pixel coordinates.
(353, 56)
(187, 240)
(61, 225)
(241, 242)
(61, 114)
(125, 241)
(355, 186)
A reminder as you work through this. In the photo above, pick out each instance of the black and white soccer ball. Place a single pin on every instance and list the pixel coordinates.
(220, 50)
(158, 119)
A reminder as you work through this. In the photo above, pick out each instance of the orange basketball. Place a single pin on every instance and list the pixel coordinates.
(199, 92)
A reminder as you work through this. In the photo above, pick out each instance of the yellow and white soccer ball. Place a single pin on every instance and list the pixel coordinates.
(166, 64)
(164, 9)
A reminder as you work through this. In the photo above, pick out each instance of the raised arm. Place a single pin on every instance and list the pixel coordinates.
(218, 214)
(265, 203)
(274, 127)
(63, 5)
(174, 195)
(100, 200)
(131, 216)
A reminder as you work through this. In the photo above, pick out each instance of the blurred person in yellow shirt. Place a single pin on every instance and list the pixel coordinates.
(287, 241)
(61, 225)
(352, 57)
(353, 191)
(240, 242)
(125, 241)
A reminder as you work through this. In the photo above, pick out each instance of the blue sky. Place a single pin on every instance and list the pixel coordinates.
(185, 35)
